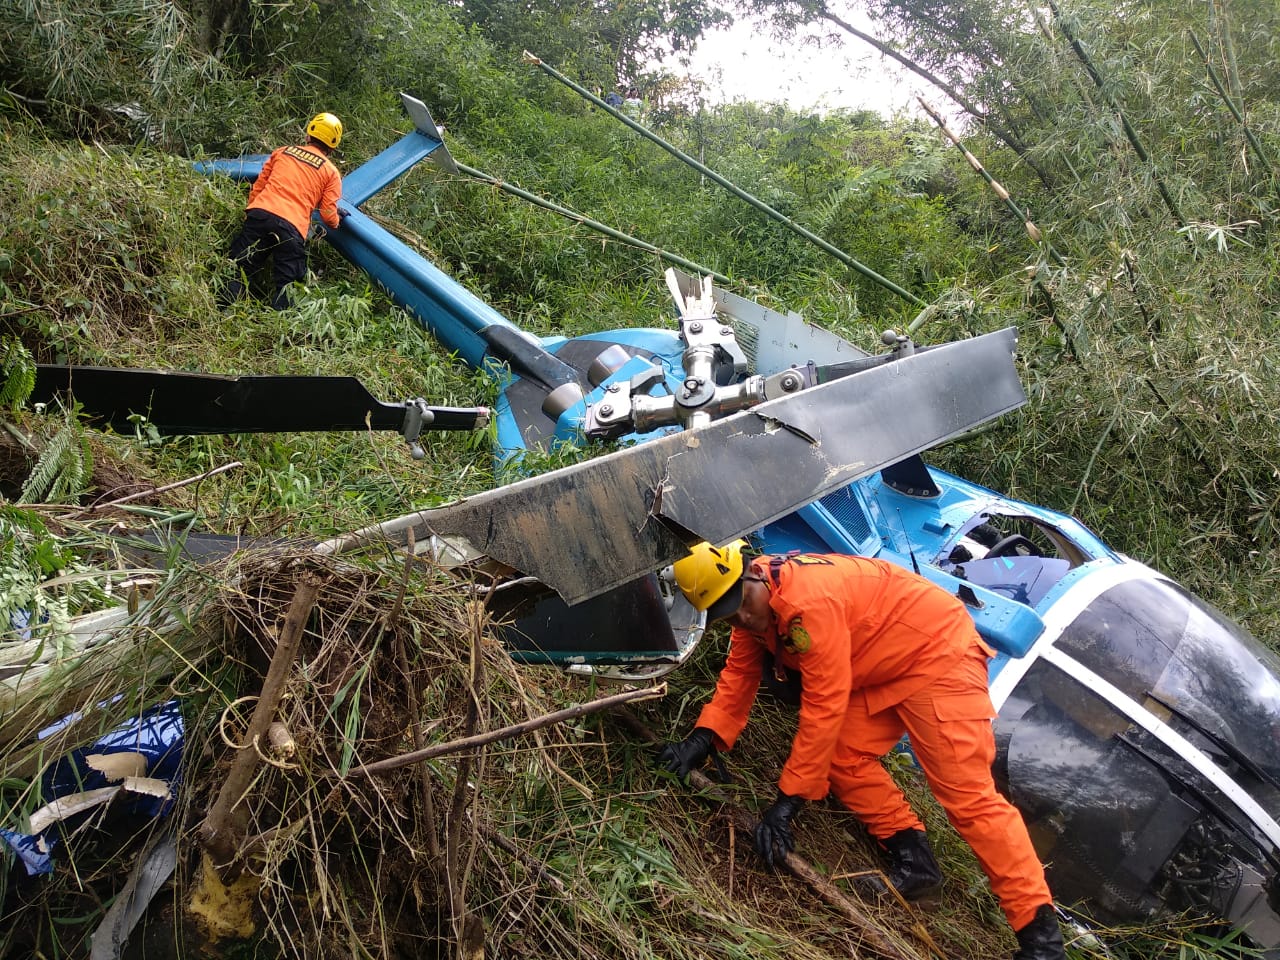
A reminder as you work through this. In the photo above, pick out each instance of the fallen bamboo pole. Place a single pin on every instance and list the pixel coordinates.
(596, 225)
(796, 865)
(737, 191)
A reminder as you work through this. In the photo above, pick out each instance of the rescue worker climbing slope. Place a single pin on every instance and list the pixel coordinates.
(880, 652)
(294, 181)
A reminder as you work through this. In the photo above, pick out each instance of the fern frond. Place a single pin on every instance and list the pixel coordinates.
(17, 373)
(62, 469)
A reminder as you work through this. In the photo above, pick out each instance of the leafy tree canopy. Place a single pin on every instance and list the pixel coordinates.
(605, 43)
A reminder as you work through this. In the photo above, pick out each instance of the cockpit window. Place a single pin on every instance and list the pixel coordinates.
(1163, 646)
(991, 536)
(1016, 556)
(1124, 815)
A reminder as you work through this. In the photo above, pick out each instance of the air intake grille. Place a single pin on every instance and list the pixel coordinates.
(845, 507)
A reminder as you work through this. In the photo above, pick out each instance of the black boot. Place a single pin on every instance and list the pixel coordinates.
(1041, 939)
(912, 869)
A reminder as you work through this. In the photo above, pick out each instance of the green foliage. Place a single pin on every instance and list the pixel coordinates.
(19, 372)
(105, 252)
(1148, 354)
(1183, 938)
(123, 72)
(64, 467)
(603, 42)
(39, 592)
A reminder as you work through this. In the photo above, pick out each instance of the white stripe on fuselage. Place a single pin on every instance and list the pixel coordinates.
(1060, 615)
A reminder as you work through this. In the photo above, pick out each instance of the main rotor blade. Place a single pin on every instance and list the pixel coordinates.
(200, 403)
(587, 528)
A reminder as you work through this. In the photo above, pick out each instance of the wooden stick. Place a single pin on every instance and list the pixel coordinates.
(530, 863)
(880, 880)
(740, 819)
(219, 833)
(415, 710)
(167, 487)
(515, 730)
(468, 929)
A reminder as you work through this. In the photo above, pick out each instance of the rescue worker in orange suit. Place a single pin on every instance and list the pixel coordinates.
(294, 181)
(880, 652)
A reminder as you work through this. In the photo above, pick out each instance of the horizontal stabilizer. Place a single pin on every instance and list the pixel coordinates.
(424, 140)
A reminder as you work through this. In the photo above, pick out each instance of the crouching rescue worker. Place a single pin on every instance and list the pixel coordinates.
(294, 181)
(880, 652)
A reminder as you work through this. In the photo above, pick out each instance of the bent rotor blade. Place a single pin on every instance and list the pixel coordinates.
(200, 403)
(585, 529)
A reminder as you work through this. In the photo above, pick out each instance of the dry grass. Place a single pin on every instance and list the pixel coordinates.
(559, 843)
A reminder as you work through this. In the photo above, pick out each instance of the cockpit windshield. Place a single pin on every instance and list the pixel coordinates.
(1166, 648)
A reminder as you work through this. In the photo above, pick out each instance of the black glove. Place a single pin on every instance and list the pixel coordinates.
(775, 827)
(688, 754)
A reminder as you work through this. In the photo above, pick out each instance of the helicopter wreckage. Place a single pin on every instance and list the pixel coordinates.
(1138, 728)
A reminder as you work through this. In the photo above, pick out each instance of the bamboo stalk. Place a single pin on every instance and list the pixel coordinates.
(593, 224)
(219, 833)
(1011, 139)
(1151, 323)
(1130, 133)
(1093, 459)
(1051, 305)
(741, 194)
(1231, 105)
(1223, 20)
(1032, 230)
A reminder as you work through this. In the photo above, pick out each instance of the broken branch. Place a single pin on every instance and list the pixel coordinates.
(166, 488)
(740, 819)
(515, 730)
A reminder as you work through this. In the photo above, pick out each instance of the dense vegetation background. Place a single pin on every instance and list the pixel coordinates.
(1137, 139)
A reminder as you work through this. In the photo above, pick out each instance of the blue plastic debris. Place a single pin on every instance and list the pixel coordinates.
(157, 735)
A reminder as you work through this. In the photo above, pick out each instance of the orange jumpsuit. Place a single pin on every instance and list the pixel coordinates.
(294, 181)
(882, 652)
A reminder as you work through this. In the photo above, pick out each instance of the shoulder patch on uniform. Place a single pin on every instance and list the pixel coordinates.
(313, 160)
(809, 559)
(798, 639)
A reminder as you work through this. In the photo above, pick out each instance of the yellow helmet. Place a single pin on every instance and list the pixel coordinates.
(711, 573)
(326, 128)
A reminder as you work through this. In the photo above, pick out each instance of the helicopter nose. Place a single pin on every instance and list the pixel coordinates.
(1141, 747)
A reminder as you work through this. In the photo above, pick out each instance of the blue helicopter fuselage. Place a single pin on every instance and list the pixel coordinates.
(1138, 729)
